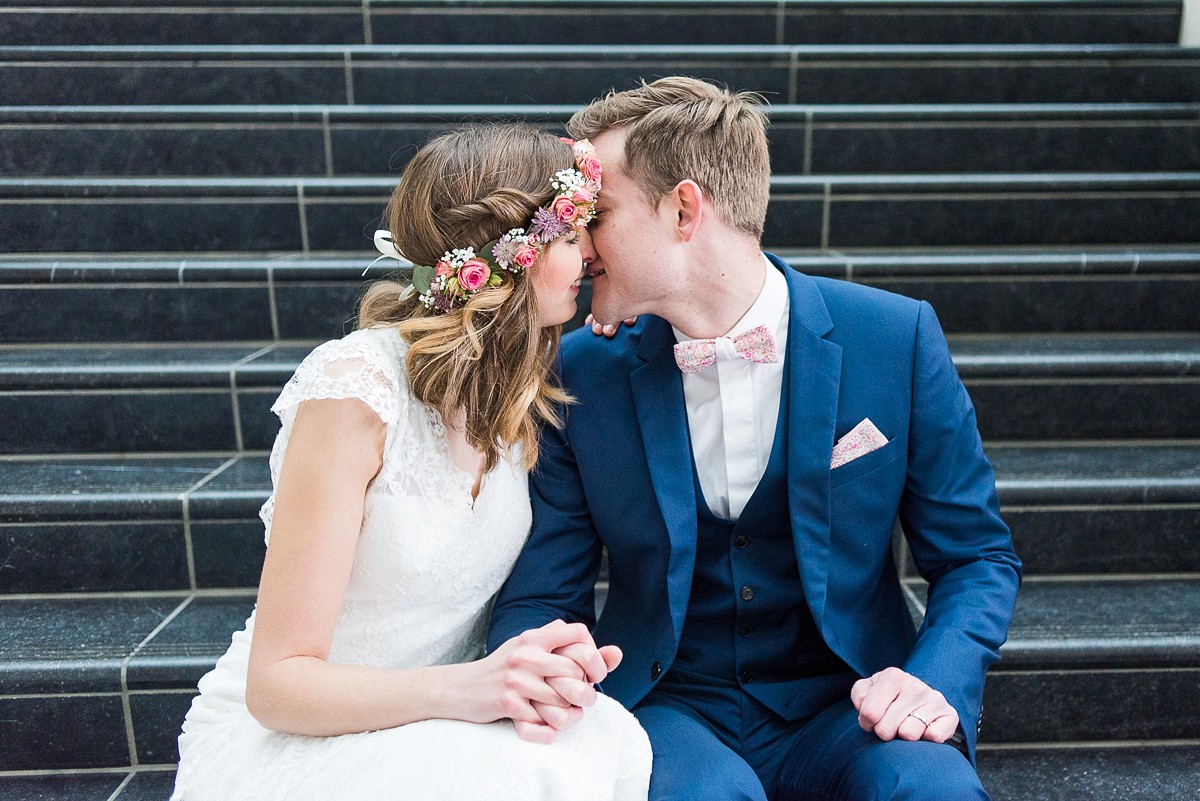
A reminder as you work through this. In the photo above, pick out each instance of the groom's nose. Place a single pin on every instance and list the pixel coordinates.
(586, 247)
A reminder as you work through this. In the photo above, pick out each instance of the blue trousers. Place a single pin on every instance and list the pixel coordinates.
(719, 744)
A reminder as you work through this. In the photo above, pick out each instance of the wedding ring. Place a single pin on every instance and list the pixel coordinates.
(918, 717)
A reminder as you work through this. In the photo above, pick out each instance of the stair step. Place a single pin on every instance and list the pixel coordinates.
(208, 397)
(432, 73)
(160, 523)
(370, 140)
(232, 215)
(59, 661)
(350, 21)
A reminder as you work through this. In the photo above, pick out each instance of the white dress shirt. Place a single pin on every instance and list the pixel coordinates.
(733, 406)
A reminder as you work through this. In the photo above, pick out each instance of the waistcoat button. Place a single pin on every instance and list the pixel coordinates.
(655, 671)
(745, 629)
(747, 676)
(741, 541)
(747, 593)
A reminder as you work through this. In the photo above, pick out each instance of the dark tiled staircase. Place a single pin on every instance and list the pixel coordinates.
(186, 195)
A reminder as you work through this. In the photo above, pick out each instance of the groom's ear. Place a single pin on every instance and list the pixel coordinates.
(688, 204)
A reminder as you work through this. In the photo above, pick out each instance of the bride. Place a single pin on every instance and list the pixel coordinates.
(399, 505)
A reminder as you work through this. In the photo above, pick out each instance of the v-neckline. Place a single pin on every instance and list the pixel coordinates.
(467, 481)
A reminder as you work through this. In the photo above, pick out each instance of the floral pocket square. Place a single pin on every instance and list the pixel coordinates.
(861, 440)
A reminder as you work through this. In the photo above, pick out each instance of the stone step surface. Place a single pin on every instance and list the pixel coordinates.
(312, 215)
(424, 73)
(118, 672)
(177, 523)
(249, 141)
(593, 22)
(205, 397)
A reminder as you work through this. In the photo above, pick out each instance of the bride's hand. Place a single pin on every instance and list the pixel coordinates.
(580, 693)
(508, 681)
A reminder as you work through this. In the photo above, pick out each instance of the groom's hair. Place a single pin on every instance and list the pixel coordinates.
(683, 128)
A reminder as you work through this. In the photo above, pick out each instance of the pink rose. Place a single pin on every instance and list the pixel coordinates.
(590, 167)
(443, 269)
(525, 257)
(566, 140)
(473, 274)
(584, 195)
(564, 209)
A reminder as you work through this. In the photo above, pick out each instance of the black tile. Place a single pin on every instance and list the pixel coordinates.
(190, 644)
(259, 423)
(868, 24)
(1086, 410)
(692, 23)
(60, 787)
(149, 785)
(542, 82)
(1031, 305)
(793, 223)
(1063, 706)
(135, 314)
(382, 149)
(143, 150)
(1027, 220)
(157, 721)
(969, 81)
(1083, 540)
(346, 224)
(228, 553)
(1096, 474)
(194, 225)
(1152, 146)
(1150, 772)
(52, 733)
(138, 366)
(178, 83)
(180, 26)
(1076, 356)
(273, 369)
(109, 557)
(317, 311)
(236, 493)
(74, 645)
(100, 488)
(116, 422)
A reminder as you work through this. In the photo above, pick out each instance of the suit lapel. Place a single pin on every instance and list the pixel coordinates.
(662, 417)
(814, 378)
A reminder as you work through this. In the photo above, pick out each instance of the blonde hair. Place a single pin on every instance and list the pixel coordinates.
(490, 359)
(682, 128)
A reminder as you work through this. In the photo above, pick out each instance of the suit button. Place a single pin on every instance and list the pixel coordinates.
(741, 541)
(747, 593)
(745, 629)
(655, 671)
(747, 676)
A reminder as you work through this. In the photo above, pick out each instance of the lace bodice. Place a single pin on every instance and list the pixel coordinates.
(429, 559)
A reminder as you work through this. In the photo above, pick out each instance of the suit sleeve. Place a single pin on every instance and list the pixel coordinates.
(951, 518)
(555, 575)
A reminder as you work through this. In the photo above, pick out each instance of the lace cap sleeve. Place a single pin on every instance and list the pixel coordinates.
(363, 365)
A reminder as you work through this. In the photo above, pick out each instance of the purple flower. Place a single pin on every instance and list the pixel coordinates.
(546, 226)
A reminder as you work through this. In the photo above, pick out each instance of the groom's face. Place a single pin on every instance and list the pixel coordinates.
(628, 264)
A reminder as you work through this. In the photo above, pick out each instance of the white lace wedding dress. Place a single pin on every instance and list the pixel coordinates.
(427, 565)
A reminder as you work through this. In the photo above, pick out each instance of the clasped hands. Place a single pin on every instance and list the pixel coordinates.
(544, 678)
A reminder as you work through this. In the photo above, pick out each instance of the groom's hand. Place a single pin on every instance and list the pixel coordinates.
(894, 704)
(578, 693)
(609, 330)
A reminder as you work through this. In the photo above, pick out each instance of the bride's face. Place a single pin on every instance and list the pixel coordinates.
(556, 277)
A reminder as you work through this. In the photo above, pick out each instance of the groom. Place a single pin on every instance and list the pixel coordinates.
(742, 454)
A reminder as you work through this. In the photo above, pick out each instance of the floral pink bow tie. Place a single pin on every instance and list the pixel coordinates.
(756, 345)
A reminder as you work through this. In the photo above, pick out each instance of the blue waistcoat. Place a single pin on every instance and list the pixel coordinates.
(747, 621)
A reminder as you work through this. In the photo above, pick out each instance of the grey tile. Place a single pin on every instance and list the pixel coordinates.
(236, 493)
(73, 645)
(793, 223)
(190, 644)
(1149, 772)
(317, 311)
(228, 553)
(60, 787)
(259, 423)
(126, 367)
(118, 422)
(108, 557)
(167, 25)
(345, 224)
(157, 721)
(1096, 474)
(149, 785)
(63, 732)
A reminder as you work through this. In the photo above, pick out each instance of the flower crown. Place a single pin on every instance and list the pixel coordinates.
(462, 272)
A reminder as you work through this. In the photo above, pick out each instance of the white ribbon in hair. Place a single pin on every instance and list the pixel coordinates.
(387, 249)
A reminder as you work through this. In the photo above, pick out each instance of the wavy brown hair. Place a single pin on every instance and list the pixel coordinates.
(490, 361)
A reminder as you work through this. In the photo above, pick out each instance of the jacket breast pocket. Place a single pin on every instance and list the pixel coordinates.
(864, 464)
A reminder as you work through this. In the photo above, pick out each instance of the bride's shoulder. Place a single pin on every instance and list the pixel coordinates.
(367, 364)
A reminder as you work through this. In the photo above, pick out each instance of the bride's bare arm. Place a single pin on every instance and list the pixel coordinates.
(334, 451)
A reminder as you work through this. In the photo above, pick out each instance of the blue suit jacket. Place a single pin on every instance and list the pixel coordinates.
(618, 476)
